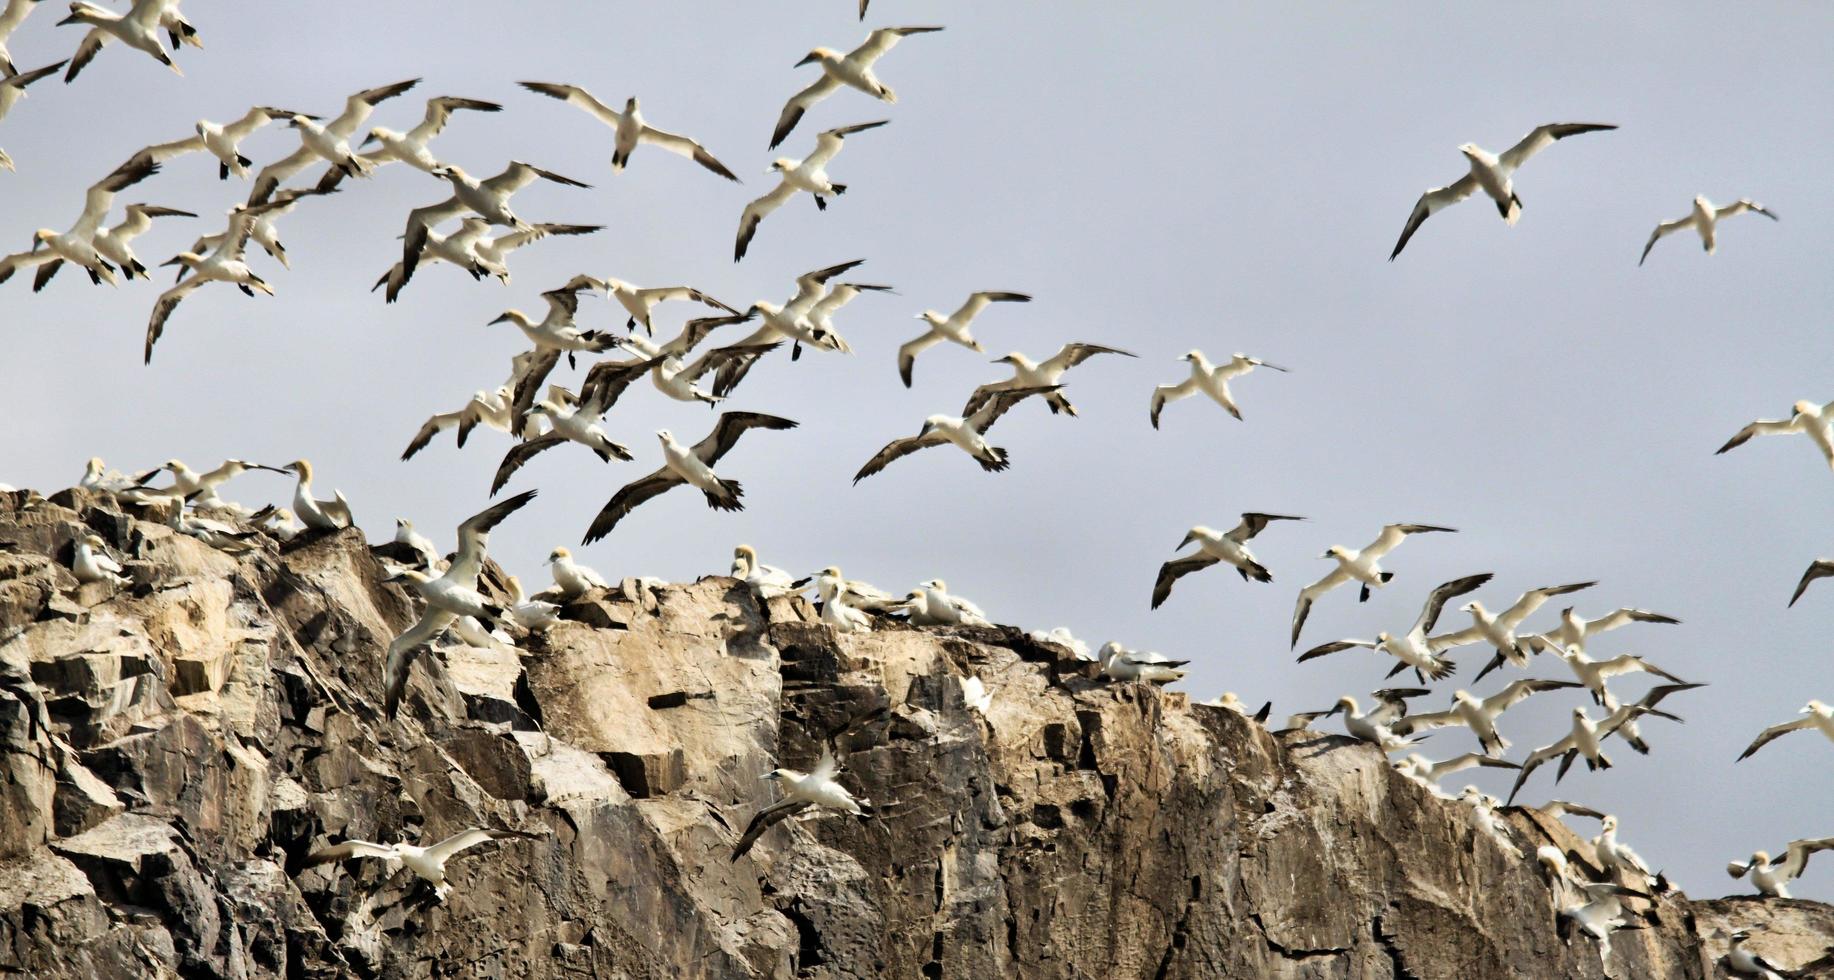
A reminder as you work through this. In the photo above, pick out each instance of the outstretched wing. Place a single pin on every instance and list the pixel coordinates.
(765, 819)
(1773, 733)
(1431, 203)
(1001, 402)
(730, 427)
(472, 838)
(1436, 600)
(1176, 569)
(519, 454)
(881, 41)
(799, 103)
(1542, 137)
(628, 499)
(896, 449)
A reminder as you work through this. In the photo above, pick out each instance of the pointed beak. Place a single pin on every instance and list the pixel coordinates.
(502, 319)
(1274, 367)
(175, 260)
(371, 138)
(809, 60)
(67, 20)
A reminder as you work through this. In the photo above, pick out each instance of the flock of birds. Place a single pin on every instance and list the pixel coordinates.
(461, 600)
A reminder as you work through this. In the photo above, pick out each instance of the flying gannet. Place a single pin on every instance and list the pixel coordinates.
(967, 434)
(861, 595)
(12, 85)
(12, 14)
(329, 142)
(472, 249)
(1495, 175)
(265, 231)
(931, 604)
(953, 328)
(427, 862)
(572, 578)
(553, 335)
(767, 581)
(409, 147)
(576, 421)
(1041, 374)
(1705, 219)
(317, 515)
(488, 199)
(1363, 566)
(1375, 726)
(1746, 962)
(1593, 673)
(490, 408)
(1121, 664)
(115, 244)
(1574, 630)
(672, 375)
(1818, 569)
(630, 127)
(790, 321)
(808, 174)
(640, 302)
(819, 787)
(689, 466)
(1806, 418)
(1818, 716)
(1211, 379)
(77, 246)
(1480, 715)
(187, 481)
(224, 263)
(137, 29)
(90, 562)
(1600, 912)
(1428, 773)
(1214, 546)
(1586, 740)
(223, 141)
(1772, 878)
(1416, 648)
(1499, 629)
(853, 69)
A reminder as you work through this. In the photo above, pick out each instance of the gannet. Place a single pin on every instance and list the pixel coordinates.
(1363, 566)
(329, 142)
(1705, 219)
(861, 595)
(1819, 716)
(1415, 648)
(1561, 808)
(1819, 568)
(277, 521)
(1601, 912)
(767, 581)
(1211, 379)
(223, 141)
(1627, 726)
(975, 694)
(225, 263)
(1231, 702)
(1061, 636)
(187, 481)
(97, 477)
(12, 86)
(639, 302)
(1377, 725)
(1122, 664)
(954, 328)
(12, 14)
(1494, 174)
(490, 408)
(630, 126)
(787, 322)
(821, 315)
(1626, 865)
(556, 331)
(672, 375)
(1480, 715)
(1486, 818)
(808, 174)
(317, 515)
(576, 422)
(115, 244)
(1041, 374)
(422, 545)
(1772, 878)
(1806, 418)
(840, 613)
(1428, 773)
(572, 578)
(77, 246)
(1499, 629)
(90, 562)
(690, 466)
(427, 862)
(223, 537)
(853, 69)
(1574, 631)
(470, 248)
(1592, 673)
(409, 147)
(931, 604)
(266, 230)
(138, 29)
(1586, 739)
(1747, 962)
(488, 199)
(818, 787)
(968, 434)
(530, 614)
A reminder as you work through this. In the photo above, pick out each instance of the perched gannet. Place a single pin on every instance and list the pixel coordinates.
(488, 199)
(630, 127)
(77, 246)
(317, 515)
(223, 537)
(975, 694)
(1705, 219)
(1121, 664)
(1415, 648)
(1772, 878)
(530, 614)
(861, 595)
(1211, 379)
(470, 248)
(572, 578)
(1747, 962)
(1377, 725)
(90, 562)
(1586, 739)
(409, 147)
(931, 604)
(787, 322)
(97, 477)
(1363, 566)
(1494, 174)
(1819, 568)
(1617, 857)
(690, 466)
(277, 521)
(816, 788)
(808, 174)
(1575, 630)
(768, 581)
(1061, 636)
(329, 142)
(840, 613)
(137, 29)
(427, 862)
(640, 302)
(1819, 717)
(12, 86)
(223, 141)
(968, 434)
(1041, 374)
(1806, 418)
(266, 229)
(1592, 673)
(1485, 817)
(953, 328)
(853, 69)
(12, 14)
(1428, 773)
(1230, 701)
(225, 263)
(1499, 629)
(1480, 715)
(577, 422)
(422, 545)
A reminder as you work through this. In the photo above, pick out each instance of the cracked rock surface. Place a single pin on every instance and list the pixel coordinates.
(170, 751)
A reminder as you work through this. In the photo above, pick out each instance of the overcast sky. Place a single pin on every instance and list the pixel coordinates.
(1161, 177)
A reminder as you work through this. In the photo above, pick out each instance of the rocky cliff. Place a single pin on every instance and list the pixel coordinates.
(173, 748)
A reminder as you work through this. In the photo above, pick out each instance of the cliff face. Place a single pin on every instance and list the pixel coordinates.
(171, 750)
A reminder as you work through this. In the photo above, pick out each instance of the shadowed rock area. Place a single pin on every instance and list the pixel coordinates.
(172, 749)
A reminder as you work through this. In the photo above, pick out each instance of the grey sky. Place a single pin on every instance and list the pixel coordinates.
(1160, 177)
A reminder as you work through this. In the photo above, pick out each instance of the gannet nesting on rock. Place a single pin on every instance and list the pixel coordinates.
(810, 175)
(90, 562)
(1210, 379)
(488, 199)
(1499, 629)
(1428, 773)
(572, 578)
(226, 538)
(1704, 218)
(1228, 700)
(1805, 418)
(530, 614)
(1062, 636)
(1414, 648)
(953, 328)
(97, 477)
(422, 545)
(861, 595)
(1041, 374)
(329, 142)
(137, 29)
(853, 69)
(818, 787)
(12, 86)
(1485, 817)
(1494, 174)
(317, 515)
(766, 581)
(1626, 865)
(632, 131)
(1122, 664)
(968, 434)
(1746, 962)
(1363, 566)
(427, 862)
(931, 605)
(1819, 717)
(840, 613)
(277, 521)
(688, 466)
(975, 694)
(1772, 878)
